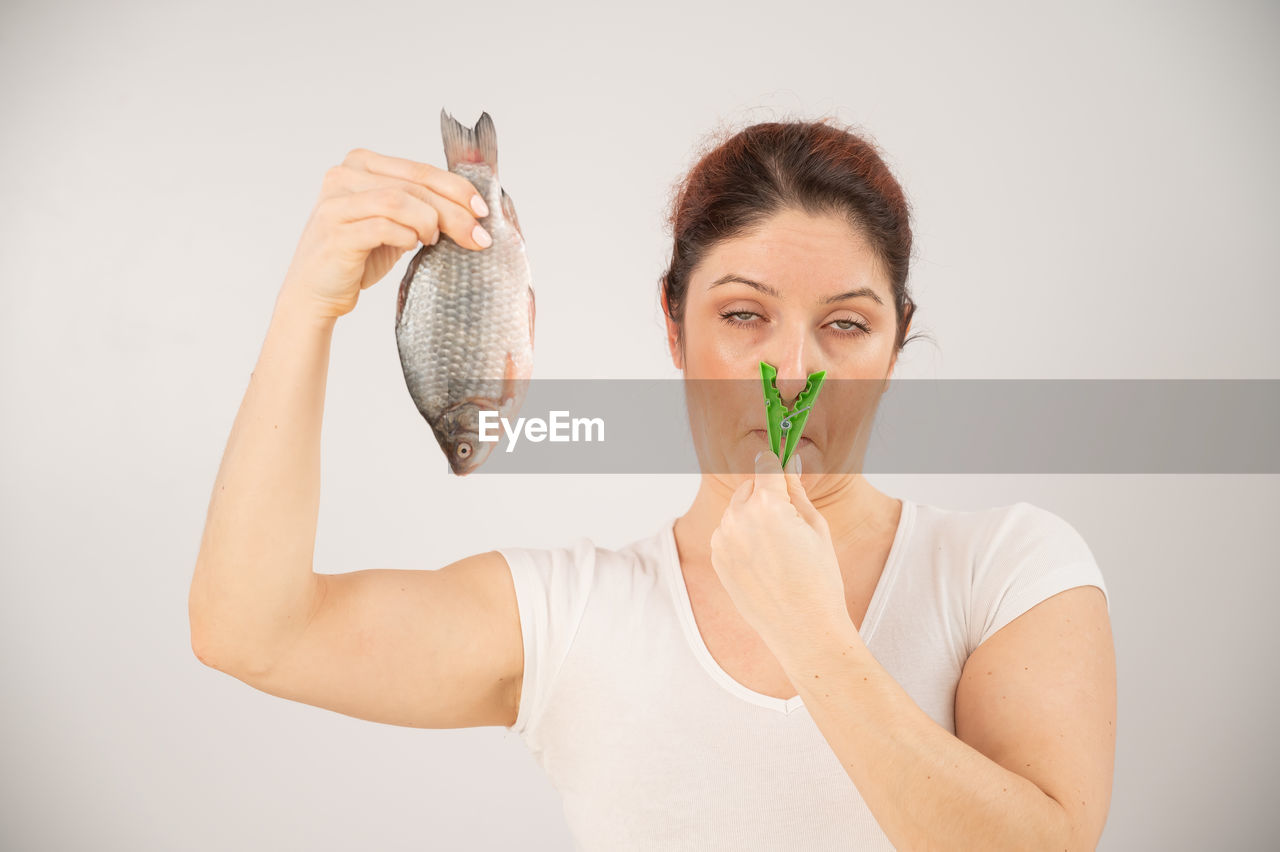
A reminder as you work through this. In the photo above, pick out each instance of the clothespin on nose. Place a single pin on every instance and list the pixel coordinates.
(783, 421)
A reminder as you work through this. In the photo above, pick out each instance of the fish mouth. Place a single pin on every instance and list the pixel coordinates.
(460, 469)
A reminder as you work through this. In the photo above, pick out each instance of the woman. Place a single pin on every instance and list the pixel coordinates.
(798, 661)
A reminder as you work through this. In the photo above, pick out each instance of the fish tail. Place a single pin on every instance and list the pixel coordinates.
(477, 144)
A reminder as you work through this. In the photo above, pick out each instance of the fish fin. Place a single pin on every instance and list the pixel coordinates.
(507, 398)
(410, 271)
(477, 144)
(508, 383)
(509, 210)
(515, 387)
(533, 311)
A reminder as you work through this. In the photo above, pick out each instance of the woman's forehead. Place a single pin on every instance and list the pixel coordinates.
(791, 251)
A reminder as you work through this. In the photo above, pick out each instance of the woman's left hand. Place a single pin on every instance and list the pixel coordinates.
(774, 556)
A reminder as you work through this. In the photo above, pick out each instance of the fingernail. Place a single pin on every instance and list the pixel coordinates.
(481, 236)
(796, 465)
(436, 238)
(478, 205)
(759, 456)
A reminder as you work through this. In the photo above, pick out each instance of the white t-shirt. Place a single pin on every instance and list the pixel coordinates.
(652, 746)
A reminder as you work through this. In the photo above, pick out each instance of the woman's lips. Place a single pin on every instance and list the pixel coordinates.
(765, 435)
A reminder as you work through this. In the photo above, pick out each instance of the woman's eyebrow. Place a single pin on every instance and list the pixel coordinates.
(763, 288)
(853, 294)
(770, 291)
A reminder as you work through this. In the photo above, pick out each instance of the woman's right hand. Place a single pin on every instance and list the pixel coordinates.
(372, 209)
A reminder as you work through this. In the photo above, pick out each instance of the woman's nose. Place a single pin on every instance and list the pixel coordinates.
(790, 389)
(794, 369)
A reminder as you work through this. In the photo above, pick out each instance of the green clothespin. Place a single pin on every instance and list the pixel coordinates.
(783, 420)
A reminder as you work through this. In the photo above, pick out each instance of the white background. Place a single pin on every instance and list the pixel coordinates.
(1094, 189)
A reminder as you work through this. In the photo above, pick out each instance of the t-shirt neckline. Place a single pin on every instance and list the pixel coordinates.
(680, 594)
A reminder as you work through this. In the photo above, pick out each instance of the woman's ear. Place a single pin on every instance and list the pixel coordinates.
(673, 336)
(893, 362)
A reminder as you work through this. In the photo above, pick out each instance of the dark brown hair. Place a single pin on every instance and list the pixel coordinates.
(811, 166)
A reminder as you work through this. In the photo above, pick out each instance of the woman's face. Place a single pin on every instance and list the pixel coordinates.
(819, 302)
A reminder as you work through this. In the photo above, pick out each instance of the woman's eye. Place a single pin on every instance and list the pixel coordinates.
(855, 328)
(732, 317)
(843, 327)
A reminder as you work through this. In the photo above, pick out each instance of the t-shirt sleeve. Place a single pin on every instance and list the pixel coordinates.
(1032, 555)
(552, 586)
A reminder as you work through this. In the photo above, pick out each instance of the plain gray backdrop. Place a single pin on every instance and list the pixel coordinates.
(1094, 189)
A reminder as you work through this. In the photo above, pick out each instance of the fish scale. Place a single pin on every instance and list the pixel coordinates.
(464, 318)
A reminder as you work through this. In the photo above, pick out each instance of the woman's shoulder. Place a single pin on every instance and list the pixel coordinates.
(1023, 530)
(1015, 556)
(991, 551)
(584, 560)
(1007, 529)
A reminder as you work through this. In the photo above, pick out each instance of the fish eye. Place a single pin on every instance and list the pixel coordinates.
(464, 450)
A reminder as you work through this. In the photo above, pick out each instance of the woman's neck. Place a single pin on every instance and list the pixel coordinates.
(854, 510)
